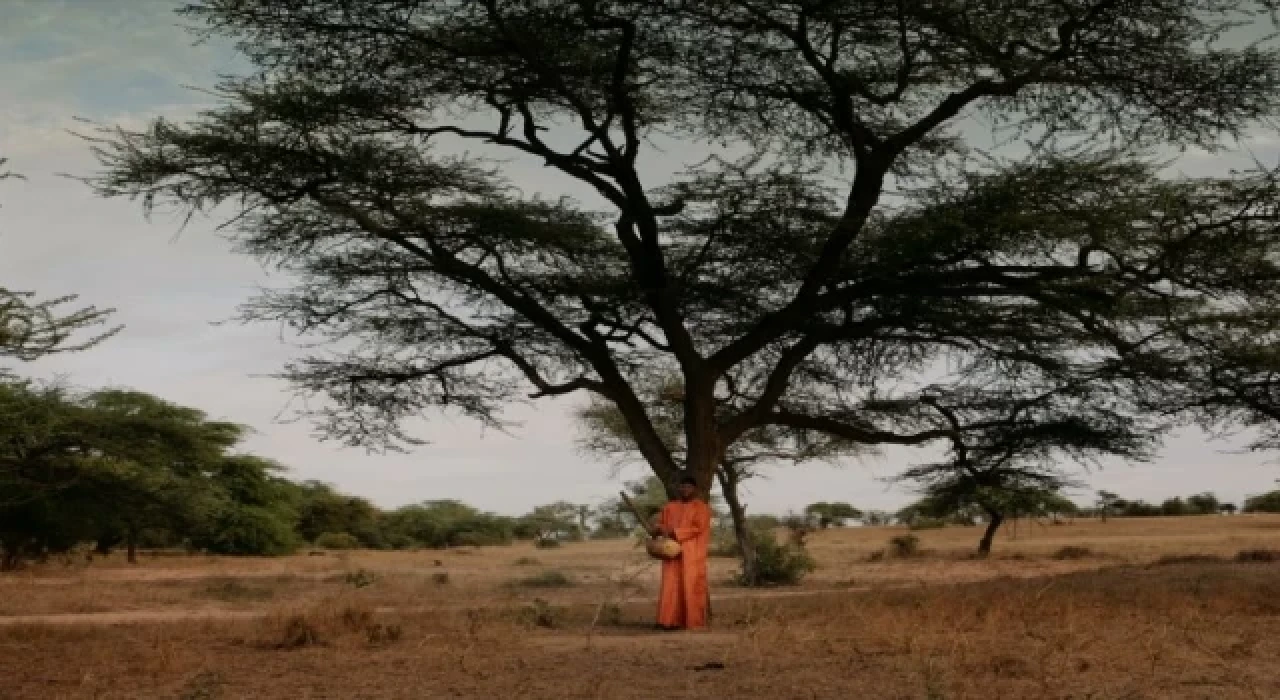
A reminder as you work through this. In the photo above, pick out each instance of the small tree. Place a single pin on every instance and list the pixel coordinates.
(877, 518)
(829, 514)
(554, 522)
(1204, 504)
(1107, 503)
(1011, 465)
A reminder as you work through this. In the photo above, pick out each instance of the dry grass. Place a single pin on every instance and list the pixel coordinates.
(1158, 609)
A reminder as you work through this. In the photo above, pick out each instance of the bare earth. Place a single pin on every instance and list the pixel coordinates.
(1156, 608)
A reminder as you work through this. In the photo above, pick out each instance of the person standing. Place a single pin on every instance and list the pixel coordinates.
(684, 597)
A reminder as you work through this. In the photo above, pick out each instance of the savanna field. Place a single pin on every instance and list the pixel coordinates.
(1131, 608)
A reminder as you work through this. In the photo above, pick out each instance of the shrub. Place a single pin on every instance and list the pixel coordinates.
(440, 578)
(1259, 555)
(904, 546)
(527, 561)
(1072, 552)
(360, 578)
(294, 632)
(337, 540)
(546, 579)
(380, 634)
(924, 523)
(546, 543)
(540, 613)
(777, 564)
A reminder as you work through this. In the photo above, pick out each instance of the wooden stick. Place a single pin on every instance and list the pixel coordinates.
(639, 516)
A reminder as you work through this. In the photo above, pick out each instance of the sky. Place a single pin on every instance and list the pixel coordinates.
(123, 62)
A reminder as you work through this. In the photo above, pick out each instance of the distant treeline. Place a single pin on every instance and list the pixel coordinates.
(115, 469)
(121, 469)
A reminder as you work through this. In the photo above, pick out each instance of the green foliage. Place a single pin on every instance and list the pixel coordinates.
(1263, 503)
(927, 523)
(337, 540)
(555, 522)
(446, 523)
(828, 514)
(320, 509)
(248, 530)
(777, 564)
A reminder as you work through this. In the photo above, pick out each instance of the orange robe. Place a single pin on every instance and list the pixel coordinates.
(683, 601)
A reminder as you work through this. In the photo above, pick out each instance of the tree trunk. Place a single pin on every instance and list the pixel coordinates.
(131, 541)
(994, 520)
(703, 451)
(742, 533)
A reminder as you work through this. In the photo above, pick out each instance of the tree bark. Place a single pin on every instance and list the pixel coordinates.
(704, 453)
(994, 520)
(742, 533)
(131, 541)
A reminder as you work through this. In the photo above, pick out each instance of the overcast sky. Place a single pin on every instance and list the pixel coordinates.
(123, 61)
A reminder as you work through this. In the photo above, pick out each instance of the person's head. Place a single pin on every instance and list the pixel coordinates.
(687, 489)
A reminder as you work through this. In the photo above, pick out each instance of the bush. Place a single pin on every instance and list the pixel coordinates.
(527, 561)
(440, 578)
(927, 524)
(546, 543)
(337, 540)
(904, 546)
(777, 564)
(1067, 553)
(361, 578)
(539, 613)
(546, 579)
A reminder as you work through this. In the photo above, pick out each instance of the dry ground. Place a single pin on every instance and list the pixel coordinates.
(1117, 623)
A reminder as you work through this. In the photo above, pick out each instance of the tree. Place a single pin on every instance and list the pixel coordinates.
(877, 518)
(440, 524)
(110, 466)
(828, 514)
(321, 509)
(1107, 503)
(556, 521)
(1013, 466)
(1204, 504)
(1263, 503)
(780, 298)
(1227, 509)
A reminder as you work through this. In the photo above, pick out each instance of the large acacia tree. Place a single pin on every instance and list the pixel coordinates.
(780, 281)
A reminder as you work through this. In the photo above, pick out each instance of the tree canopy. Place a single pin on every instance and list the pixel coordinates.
(782, 280)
